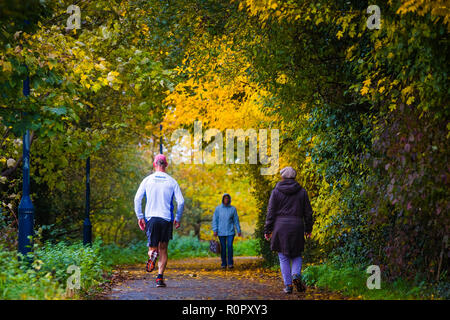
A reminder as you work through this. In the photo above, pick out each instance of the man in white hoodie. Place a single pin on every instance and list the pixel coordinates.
(160, 189)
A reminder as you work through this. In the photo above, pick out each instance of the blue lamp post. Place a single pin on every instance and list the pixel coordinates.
(26, 208)
(87, 226)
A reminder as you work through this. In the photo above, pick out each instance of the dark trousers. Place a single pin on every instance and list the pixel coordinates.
(226, 244)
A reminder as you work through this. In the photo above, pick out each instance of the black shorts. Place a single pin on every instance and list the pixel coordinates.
(158, 230)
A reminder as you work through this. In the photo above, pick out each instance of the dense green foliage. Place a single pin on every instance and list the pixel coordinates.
(350, 280)
(369, 109)
(93, 91)
(46, 277)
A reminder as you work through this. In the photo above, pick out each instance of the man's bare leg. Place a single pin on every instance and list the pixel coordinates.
(150, 250)
(162, 257)
(152, 255)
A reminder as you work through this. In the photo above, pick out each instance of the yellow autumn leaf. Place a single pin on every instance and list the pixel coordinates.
(350, 52)
(364, 90)
(96, 87)
(7, 67)
(407, 90)
(377, 44)
(282, 79)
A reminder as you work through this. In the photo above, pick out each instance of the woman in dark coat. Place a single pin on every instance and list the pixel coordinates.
(289, 219)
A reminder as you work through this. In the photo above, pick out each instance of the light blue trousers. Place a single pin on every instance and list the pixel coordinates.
(286, 270)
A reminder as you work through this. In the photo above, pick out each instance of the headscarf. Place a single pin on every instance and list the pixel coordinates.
(288, 173)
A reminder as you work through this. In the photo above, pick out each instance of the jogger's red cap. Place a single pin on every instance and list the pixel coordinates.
(160, 157)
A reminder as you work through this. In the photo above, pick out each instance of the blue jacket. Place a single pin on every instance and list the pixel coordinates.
(225, 218)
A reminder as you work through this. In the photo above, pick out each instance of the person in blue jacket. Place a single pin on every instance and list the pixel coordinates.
(224, 221)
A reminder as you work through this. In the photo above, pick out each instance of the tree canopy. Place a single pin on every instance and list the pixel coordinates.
(362, 112)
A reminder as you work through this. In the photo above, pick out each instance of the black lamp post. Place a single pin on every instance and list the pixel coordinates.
(87, 226)
(160, 139)
(26, 208)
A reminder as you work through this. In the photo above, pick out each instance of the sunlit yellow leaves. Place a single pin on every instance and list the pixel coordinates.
(112, 78)
(282, 10)
(99, 66)
(96, 87)
(345, 22)
(349, 55)
(6, 66)
(324, 205)
(207, 183)
(377, 44)
(365, 88)
(282, 79)
(225, 99)
(407, 90)
(144, 29)
(437, 8)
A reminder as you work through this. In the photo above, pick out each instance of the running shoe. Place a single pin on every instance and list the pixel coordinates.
(160, 282)
(151, 263)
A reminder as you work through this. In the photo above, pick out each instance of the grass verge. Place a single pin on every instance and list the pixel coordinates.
(351, 280)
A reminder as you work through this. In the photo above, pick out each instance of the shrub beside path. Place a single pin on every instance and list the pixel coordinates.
(203, 279)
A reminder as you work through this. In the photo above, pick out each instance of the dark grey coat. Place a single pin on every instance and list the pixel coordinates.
(289, 216)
